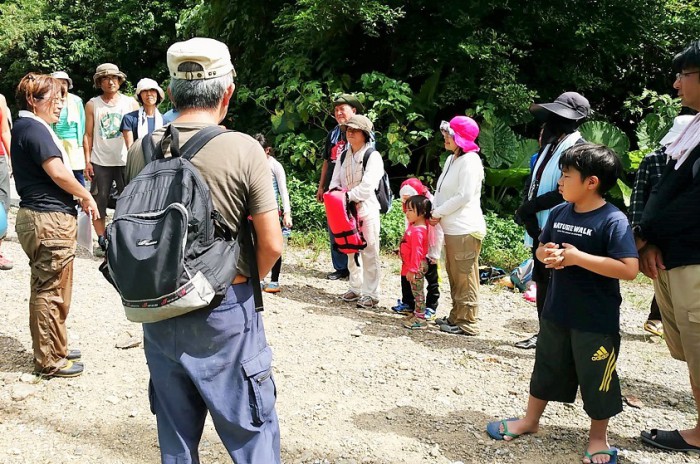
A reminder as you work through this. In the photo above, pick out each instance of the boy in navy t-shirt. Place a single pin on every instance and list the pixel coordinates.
(590, 245)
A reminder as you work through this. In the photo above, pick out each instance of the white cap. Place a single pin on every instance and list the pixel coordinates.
(679, 123)
(211, 54)
(149, 84)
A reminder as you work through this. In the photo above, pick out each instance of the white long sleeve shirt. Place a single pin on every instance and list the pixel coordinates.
(458, 196)
(279, 183)
(360, 184)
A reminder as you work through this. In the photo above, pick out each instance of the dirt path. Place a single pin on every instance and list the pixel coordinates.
(354, 386)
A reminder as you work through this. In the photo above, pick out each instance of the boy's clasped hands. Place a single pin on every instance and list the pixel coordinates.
(559, 258)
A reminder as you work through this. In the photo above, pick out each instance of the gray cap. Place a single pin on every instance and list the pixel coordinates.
(361, 122)
(63, 75)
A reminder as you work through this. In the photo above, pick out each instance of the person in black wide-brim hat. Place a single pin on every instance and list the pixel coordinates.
(560, 120)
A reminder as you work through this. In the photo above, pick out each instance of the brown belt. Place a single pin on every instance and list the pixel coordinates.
(239, 279)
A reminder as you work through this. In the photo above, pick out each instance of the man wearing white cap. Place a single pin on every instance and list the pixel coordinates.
(147, 118)
(70, 128)
(216, 359)
(105, 151)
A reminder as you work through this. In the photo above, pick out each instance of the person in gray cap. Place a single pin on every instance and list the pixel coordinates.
(70, 128)
(104, 148)
(560, 120)
(360, 182)
(344, 107)
(216, 359)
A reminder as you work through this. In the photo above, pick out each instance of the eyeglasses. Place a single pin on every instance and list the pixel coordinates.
(681, 75)
(446, 129)
(55, 99)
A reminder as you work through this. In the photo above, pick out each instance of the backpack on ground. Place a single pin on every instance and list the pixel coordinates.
(489, 274)
(383, 192)
(521, 276)
(168, 251)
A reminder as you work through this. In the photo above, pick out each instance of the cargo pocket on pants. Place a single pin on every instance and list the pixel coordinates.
(56, 254)
(261, 386)
(464, 261)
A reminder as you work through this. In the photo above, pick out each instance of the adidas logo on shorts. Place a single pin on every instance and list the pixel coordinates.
(600, 355)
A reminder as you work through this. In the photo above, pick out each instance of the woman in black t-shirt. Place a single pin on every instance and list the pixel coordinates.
(46, 221)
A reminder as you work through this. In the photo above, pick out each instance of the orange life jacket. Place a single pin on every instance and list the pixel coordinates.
(343, 223)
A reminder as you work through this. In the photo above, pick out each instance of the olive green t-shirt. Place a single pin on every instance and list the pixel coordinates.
(235, 168)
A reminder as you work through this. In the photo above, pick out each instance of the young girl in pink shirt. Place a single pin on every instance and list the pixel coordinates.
(414, 256)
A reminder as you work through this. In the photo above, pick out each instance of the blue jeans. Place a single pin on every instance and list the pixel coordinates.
(216, 360)
(340, 259)
(79, 177)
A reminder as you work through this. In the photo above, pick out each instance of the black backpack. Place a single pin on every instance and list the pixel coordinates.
(168, 251)
(383, 192)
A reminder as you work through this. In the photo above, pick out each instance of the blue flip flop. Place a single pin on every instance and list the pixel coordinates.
(612, 452)
(494, 429)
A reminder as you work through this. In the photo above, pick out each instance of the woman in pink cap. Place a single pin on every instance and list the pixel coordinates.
(458, 210)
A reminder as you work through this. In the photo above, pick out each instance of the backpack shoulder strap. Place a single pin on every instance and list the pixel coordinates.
(198, 140)
(148, 147)
(366, 157)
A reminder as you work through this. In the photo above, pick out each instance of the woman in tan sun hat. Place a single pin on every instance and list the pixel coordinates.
(147, 118)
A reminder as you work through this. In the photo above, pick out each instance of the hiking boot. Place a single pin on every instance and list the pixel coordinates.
(442, 321)
(402, 308)
(337, 275)
(350, 296)
(5, 264)
(367, 302)
(71, 369)
(457, 330)
(272, 287)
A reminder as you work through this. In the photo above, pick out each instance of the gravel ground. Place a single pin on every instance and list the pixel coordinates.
(354, 386)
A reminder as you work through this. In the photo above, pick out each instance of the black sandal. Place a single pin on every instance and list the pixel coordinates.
(669, 440)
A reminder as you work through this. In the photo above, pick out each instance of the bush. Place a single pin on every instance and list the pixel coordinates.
(393, 225)
(307, 213)
(503, 245)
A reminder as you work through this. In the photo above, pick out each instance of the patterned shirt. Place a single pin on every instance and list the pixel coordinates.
(648, 174)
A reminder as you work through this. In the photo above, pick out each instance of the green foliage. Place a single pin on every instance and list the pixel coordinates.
(604, 133)
(307, 213)
(503, 245)
(393, 225)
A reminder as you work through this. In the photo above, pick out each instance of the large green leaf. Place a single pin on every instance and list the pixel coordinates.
(651, 130)
(513, 177)
(498, 143)
(606, 134)
(526, 149)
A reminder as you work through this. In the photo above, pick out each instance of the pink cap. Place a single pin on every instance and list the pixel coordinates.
(412, 186)
(466, 131)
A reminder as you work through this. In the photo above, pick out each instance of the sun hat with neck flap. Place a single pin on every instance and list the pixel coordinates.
(466, 130)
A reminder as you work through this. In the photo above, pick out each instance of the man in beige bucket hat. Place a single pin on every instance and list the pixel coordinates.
(216, 359)
(104, 147)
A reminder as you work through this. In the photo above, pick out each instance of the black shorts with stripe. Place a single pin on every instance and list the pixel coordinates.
(567, 359)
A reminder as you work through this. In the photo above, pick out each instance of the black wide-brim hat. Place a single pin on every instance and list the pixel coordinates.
(569, 105)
